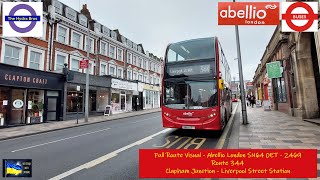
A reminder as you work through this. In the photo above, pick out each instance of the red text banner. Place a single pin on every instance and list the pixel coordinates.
(248, 13)
(231, 163)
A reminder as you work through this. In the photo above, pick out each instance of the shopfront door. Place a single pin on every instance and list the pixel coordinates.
(123, 102)
(52, 114)
(18, 99)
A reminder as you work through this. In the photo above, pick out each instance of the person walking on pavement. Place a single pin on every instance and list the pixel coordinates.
(252, 100)
(248, 99)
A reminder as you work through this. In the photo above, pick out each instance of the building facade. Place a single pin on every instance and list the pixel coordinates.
(68, 37)
(297, 92)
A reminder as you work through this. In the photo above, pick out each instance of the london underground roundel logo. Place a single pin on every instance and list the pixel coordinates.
(300, 17)
(22, 19)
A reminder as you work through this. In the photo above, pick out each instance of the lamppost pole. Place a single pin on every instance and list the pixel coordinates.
(86, 107)
(243, 102)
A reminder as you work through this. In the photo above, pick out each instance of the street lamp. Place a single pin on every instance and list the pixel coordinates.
(86, 110)
(243, 103)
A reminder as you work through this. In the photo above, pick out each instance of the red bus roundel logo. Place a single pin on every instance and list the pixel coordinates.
(300, 17)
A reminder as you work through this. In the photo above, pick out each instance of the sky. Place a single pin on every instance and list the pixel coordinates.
(156, 23)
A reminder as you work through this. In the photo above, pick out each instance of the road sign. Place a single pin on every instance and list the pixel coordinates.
(299, 16)
(274, 70)
(84, 64)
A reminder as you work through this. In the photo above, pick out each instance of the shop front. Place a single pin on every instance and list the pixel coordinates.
(29, 96)
(121, 95)
(99, 92)
(151, 96)
(137, 98)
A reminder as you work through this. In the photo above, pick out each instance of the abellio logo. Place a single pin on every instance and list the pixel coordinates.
(22, 19)
(248, 13)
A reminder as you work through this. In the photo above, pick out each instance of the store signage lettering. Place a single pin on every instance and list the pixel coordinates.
(26, 79)
(118, 84)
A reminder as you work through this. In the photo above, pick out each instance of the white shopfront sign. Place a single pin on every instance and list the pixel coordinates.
(140, 87)
(119, 84)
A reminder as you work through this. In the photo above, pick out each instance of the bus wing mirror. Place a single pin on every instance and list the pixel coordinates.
(221, 84)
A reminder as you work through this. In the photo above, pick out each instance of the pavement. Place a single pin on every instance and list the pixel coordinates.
(20, 131)
(276, 130)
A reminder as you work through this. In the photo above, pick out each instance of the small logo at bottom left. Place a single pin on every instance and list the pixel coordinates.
(17, 167)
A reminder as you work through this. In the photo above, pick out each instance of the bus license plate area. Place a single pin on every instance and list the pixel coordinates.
(188, 127)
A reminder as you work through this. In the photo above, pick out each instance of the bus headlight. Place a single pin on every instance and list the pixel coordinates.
(167, 114)
(212, 115)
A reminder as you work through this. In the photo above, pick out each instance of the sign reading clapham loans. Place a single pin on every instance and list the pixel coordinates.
(274, 70)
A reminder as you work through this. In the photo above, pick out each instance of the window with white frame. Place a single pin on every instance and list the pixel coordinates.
(35, 60)
(62, 34)
(140, 77)
(58, 7)
(75, 65)
(103, 48)
(120, 55)
(76, 40)
(60, 60)
(112, 51)
(103, 69)
(90, 43)
(134, 76)
(119, 75)
(91, 70)
(129, 75)
(151, 80)
(134, 60)
(71, 14)
(140, 61)
(112, 71)
(12, 55)
(145, 65)
(129, 58)
(145, 79)
(113, 35)
(83, 20)
(106, 31)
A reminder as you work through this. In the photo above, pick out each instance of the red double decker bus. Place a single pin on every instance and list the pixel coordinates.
(196, 90)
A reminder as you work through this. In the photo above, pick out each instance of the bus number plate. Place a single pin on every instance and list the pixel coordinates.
(188, 127)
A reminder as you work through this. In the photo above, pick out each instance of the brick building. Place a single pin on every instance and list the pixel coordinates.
(122, 74)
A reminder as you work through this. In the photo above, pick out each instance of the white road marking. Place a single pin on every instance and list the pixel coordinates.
(107, 156)
(60, 140)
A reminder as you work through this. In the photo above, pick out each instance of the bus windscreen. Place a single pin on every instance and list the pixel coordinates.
(184, 94)
(191, 50)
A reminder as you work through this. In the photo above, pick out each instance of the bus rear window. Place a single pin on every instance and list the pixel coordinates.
(191, 50)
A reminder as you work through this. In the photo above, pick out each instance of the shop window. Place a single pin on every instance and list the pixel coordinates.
(35, 60)
(73, 99)
(281, 90)
(12, 55)
(115, 98)
(35, 106)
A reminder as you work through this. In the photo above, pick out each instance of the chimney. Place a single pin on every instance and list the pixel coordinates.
(85, 11)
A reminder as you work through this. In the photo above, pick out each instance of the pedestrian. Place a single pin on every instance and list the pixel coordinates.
(252, 100)
(248, 99)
